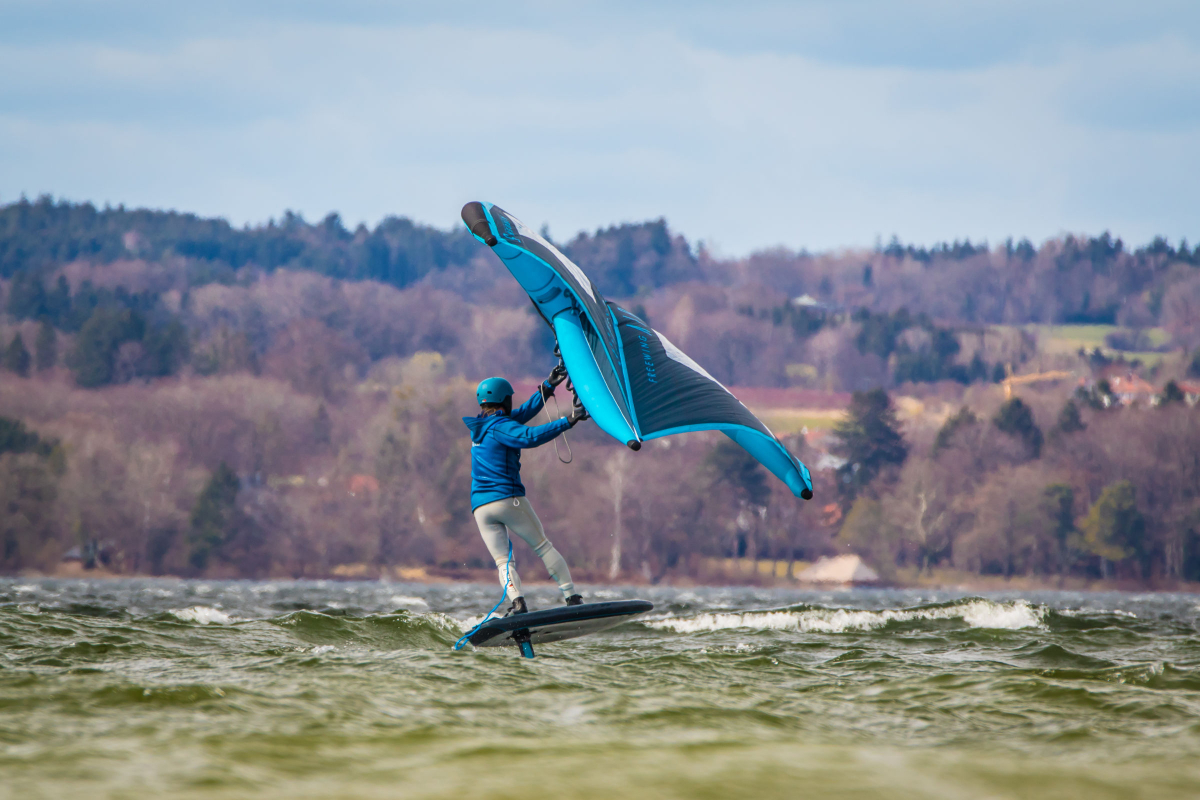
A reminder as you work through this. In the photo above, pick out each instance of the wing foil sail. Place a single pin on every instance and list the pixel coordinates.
(634, 382)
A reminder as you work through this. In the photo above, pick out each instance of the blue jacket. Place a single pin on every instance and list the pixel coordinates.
(496, 444)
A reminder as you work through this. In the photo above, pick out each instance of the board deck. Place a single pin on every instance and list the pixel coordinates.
(556, 624)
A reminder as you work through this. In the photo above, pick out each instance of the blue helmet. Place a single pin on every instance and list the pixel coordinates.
(493, 390)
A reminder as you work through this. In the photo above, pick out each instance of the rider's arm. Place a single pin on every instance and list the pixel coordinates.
(530, 408)
(510, 433)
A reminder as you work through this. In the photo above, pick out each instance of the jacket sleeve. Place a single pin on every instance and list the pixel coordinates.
(530, 408)
(510, 433)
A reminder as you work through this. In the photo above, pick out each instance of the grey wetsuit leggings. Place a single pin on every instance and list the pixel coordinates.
(515, 515)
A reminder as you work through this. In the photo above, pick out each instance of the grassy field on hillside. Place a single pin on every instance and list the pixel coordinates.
(784, 421)
(1068, 339)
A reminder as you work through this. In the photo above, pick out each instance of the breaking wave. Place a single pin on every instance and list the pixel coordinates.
(205, 615)
(975, 613)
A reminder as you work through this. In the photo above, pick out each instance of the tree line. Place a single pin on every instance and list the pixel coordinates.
(1094, 279)
(1104, 492)
(189, 386)
(244, 476)
(194, 289)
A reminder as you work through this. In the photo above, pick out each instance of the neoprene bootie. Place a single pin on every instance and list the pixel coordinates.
(518, 607)
(575, 600)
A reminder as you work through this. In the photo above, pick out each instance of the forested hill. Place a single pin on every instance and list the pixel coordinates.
(42, 235)
(1073, 279)
(190, 291)
(181, 396)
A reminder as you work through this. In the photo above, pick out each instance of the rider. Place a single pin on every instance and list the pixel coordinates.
(498, 499)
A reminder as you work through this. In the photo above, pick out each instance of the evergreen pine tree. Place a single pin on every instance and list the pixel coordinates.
(1059, 503)
(28, 522)
(26, 296)
(1114, 528)
(1016, 419)
(16, 357)
(166, 347)
(1069, 419)
(45, 347)
(16, 438)
(94, 356)
(1171, 394)
(213, 516)
(58, 302)
(870, 440)
(977, 371)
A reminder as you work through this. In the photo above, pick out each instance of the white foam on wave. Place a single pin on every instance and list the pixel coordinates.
(405, 600)
(1008, 616)
(468, 623)
(976, 613)
(204, 615)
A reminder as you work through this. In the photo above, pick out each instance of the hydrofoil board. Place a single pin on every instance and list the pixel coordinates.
(556, 624)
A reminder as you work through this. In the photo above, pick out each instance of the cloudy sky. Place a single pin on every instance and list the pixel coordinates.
(807, 124)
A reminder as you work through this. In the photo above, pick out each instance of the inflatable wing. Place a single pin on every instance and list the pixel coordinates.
(630, 378)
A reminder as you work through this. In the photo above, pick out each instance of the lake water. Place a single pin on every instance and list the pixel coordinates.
(190, 689)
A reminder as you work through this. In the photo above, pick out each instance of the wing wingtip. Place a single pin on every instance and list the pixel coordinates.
(474, 216)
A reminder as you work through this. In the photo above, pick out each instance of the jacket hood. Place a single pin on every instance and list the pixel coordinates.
(479, 425)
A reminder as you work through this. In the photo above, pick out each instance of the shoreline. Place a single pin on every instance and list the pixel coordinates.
(941, 580)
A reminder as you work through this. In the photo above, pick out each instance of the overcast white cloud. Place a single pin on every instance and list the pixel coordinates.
(807, 124)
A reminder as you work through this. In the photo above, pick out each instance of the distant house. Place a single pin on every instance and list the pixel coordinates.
(822, 442)
(808, 301)
(829, 461)
(1130, 390)
(847, 569)
(1191, 391)
(365, 485)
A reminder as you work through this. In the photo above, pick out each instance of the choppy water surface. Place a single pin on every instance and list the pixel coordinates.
(140, 688)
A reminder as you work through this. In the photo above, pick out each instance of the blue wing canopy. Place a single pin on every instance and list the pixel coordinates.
(632, 380)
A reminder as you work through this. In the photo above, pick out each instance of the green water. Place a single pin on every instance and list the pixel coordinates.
(138, 688)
